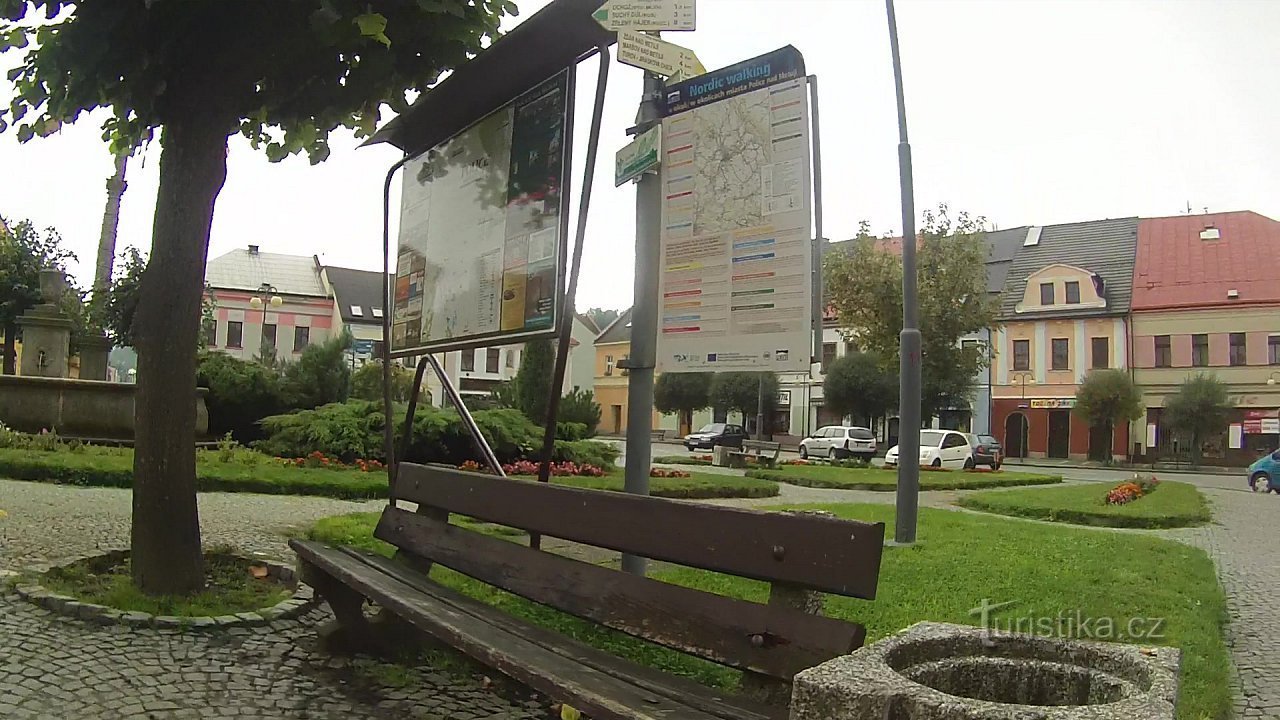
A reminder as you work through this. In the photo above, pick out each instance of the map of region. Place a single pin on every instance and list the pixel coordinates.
(734, 143)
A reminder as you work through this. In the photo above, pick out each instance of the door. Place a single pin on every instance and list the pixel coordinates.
(617, 419)
(1015, 435)
(1100, 443)
(955, 450)
(1059, 433)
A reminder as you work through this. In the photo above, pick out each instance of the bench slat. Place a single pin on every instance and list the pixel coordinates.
(819, 553)
(712, 626)
(542, 660)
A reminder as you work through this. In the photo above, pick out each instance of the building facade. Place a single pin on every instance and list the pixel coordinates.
(245, 285)
(1064, 312)
(1206, 299)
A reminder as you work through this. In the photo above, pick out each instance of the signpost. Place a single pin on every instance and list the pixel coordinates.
(653, 15)
(638, 157)
(657, 56)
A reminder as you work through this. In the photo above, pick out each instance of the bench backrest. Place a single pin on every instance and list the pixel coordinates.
(797, 551)
(761, 445)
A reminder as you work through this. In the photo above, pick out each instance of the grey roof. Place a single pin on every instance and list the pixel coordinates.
(1103, 247)
(245, 269)
(618, 331)
(358, 288)
(1002, 248)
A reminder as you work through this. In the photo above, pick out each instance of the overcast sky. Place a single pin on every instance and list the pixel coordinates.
(1024, 111)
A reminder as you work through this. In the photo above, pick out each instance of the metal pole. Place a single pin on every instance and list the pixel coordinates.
(819, 239)
(760, 409)
(388, 305)
(904, 532)
(644, 319)
(476, 435)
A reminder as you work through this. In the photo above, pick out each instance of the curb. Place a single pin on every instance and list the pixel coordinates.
(1218, 471)
(299, 603)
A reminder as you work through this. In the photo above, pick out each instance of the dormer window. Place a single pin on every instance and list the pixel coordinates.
(1046, 293)
(1073, 292)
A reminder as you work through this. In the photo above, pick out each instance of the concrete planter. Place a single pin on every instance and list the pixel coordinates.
(936, 671)
(78, 408)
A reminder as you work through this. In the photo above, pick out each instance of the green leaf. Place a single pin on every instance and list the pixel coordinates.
(25, 132)
(373, 25)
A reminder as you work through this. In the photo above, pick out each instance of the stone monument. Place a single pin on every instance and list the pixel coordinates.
(46, 331)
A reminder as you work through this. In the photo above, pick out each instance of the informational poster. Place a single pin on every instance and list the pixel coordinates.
(736, 285)
(483, 229)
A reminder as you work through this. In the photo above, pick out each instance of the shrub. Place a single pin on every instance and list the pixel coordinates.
(366, 383)
(571, 431)
(241, 394)
(321, 376)
(849, 463)
(579, 406)
(587, 452)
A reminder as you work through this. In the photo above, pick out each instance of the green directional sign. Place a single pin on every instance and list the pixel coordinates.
(647, 15)
(638, 157)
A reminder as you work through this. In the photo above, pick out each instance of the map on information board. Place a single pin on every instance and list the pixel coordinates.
(736, 282)
(482, 230)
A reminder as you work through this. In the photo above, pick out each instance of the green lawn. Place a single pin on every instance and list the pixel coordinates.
(680, 460)
(1172, 504)
(962, 559)
(825, 476)
(258, 473)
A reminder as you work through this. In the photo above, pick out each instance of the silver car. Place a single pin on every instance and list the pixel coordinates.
(839, 441)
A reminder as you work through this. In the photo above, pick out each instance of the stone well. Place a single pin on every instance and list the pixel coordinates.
(936, 671)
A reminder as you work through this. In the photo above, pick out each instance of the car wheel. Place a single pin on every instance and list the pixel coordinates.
(804, 453)
(937, 462)
(969, 464)
(1260, 482)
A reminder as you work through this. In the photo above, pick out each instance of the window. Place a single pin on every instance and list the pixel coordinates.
(269, 335)
(357, 311)
(1046, 293)
(608, 364)
(511, 359)
(301, 338)
(850, 347)
(1164, 351)
(1073, 292)
(1273, 350)
(211, 333)
(377, 312)
(1239, 346)
(1200, 350)
(1101, 352)
(828, 354)
(954, 440)
(491, 357)
(468, 360)
(235, 333)
(1061, 354)
(1021, 354)
(623, 364)
(968, 345)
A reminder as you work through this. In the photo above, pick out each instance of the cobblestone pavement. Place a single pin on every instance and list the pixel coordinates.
(55, 667)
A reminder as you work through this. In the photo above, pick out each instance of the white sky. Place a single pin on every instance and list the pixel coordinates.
(1025, 111)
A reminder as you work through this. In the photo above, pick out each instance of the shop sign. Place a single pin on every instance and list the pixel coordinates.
(1054, 403)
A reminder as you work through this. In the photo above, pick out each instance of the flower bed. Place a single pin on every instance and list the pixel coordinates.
(664, 473)
(528, 467)
(1175, 505)
(318, 459)
(1132, 489)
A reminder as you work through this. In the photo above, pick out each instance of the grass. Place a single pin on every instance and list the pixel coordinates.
(825, 476)
(258, 473)
(230, 588)
(1172, 504)
(680, 460)
(962, 559)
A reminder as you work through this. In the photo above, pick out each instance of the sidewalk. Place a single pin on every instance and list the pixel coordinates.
(1093, 465)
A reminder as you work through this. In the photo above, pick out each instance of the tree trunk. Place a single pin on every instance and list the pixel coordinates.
(166, 557)
(10, 349)
(110, 222)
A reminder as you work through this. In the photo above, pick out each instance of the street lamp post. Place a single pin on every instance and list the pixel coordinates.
(265, 298)
(1024, 379)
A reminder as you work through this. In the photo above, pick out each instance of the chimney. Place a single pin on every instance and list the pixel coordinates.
(253, 249)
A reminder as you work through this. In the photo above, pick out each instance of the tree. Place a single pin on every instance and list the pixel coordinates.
(683, 393)
(366, 383)
(742, 391)
(580, 406)
(110, 223)
(114, 312)
(284, 74)
(533, 379)
(864, 281)
(1107, 398)
(859, 385)
(24, 252)
(1199, 409)
(322, 375)
(601, 317)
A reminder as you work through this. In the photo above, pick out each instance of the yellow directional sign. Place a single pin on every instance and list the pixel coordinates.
(646, 15)
(657, 56)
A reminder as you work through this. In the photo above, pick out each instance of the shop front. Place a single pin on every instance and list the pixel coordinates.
(1050, 428)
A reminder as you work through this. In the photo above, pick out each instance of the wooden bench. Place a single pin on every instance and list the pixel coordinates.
(657, 435)
(801, 554)
(765, 453)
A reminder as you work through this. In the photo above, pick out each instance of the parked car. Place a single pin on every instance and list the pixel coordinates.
(1264, 473)
(713, 434)
(839, 441)
(987, 451)
(940, 449)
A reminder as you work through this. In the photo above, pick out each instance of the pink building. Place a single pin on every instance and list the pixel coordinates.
(267, 298)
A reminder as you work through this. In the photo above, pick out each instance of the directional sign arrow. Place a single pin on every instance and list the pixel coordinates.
(657, 56)
(647, 15)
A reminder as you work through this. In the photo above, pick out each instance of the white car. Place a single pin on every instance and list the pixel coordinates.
(940, 449)
(839, 441)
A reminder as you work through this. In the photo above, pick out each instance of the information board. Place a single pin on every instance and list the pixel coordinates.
(736, 282)
(483, 227)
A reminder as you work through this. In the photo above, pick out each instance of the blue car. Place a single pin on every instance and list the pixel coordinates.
(1264, 475)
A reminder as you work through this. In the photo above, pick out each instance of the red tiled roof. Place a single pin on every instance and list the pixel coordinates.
(1174, 268)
